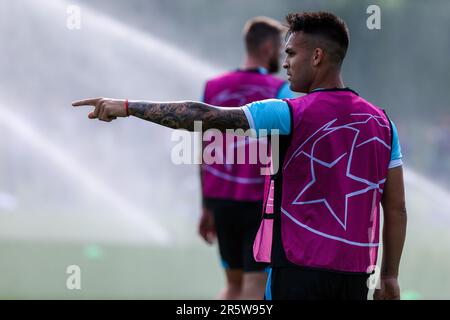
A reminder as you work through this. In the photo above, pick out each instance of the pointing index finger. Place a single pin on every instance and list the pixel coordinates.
(86, 102)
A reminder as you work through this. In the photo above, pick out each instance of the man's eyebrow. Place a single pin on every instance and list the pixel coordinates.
(288, 49)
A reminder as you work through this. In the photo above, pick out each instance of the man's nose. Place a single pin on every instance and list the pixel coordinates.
(285, 63)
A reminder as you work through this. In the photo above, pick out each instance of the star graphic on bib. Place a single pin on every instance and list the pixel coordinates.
(336, 172)
(335, 200)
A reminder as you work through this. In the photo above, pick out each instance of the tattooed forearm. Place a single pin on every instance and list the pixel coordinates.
(181, 115)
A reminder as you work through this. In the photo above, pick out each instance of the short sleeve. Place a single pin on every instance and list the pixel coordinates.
(396, 151)
(267, 115)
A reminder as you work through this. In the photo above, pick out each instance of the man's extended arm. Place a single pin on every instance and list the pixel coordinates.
(176, 115)
(394, 233)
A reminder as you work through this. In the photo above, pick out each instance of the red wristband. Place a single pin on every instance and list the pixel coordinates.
(126, 107)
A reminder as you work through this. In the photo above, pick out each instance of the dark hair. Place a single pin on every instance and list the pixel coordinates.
(260, 29)
(323, 24)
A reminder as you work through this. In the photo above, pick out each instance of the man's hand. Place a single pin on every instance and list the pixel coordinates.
(390, 290)
(105, 109)
(206, 226)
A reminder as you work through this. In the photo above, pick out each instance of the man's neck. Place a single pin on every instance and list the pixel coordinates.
(329, 80)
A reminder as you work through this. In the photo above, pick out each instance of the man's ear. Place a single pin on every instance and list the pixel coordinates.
(318, 56)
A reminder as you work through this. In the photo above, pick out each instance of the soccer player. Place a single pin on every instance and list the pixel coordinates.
(340, 159)
(232, 193)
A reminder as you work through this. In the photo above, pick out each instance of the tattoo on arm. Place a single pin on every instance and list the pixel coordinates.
(181, 115)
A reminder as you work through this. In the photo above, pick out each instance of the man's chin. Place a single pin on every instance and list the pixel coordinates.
(295, 88)
(292, 87)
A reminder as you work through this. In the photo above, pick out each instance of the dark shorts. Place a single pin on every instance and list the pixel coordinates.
(237, 223)
(293, 283)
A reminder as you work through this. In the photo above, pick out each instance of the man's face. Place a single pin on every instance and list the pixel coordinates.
(298, 62)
